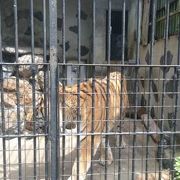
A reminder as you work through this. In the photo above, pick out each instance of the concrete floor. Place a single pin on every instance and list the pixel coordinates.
(112, 170)
(125, 163)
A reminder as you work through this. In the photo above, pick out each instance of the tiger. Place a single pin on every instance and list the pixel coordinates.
(68, 98)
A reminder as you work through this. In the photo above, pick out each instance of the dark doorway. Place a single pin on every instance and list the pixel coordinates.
(117, 34)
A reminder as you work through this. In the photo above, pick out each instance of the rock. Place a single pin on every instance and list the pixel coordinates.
(10, 120)
(39, 79)
(10, 90)
(25, 71)
(24, 101)
(165, 175)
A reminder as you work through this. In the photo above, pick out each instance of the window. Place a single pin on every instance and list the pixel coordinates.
(117, 34)
(174, 17)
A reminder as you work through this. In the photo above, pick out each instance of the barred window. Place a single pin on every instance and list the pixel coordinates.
(174, 17)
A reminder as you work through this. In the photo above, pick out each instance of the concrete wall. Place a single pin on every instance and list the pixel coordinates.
(157, 76)
(157, 73)
(71, 28)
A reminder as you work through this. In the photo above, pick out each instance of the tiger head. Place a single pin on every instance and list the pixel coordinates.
(68, 107)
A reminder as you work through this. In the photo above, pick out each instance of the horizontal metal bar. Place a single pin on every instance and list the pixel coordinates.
(90, 134)
(119, 133)
(170, 15)
(103, 65)
(23, 135)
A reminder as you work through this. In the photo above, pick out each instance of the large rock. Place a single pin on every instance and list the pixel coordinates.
(17, 104)
(28, 69)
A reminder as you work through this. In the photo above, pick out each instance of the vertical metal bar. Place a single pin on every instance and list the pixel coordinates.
(2, 98)
(93, 83)
(63, 29)
(17, 88)
(63, 83)
(138, 35)
(33, 85)
(78, 81)
(109, 33)
(108, 85)
(120, 125)
(53, 88)
(166, 31)
(121, 97)
(177, 90)
(153, 6)
(46, 90)
(124, 30)
(138, 28)
(63, 124)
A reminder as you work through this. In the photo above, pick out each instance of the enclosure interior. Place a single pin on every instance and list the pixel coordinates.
(56, 61)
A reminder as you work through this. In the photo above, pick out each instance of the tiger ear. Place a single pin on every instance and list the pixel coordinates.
(60, 84)
(60, 87)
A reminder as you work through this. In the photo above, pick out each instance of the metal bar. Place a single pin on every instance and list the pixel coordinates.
(2, 99)
(153, 6)
(17, 88)
(124, 30)
(170, 14)
(93, 82)
(108, 86)
(78, 82)
(121, 97)
(166, 30)
(138, 36)
(63, 83)
(63, 29)
(33, 86)
(46, 91)
(63, 123)
(53, 89)
(121, 118)
(102, 65)
(109, 33)
(107, 121)
(90, 134)
(177, 89)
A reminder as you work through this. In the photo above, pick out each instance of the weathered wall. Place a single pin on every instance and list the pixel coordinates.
(157, 75)
(71, 28)
(24, 23)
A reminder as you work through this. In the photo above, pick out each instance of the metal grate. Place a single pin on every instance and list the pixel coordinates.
(173, 18)
(70, 111)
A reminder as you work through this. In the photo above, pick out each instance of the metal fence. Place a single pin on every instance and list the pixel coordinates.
(70, 111)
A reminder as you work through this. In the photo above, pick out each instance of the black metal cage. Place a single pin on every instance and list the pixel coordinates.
(89, 89)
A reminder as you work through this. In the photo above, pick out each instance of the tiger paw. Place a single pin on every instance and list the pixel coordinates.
(103, 162)
(108, 160)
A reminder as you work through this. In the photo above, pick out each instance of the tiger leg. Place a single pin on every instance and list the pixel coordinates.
(121, 142)
(85, 157)
(103, 150)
